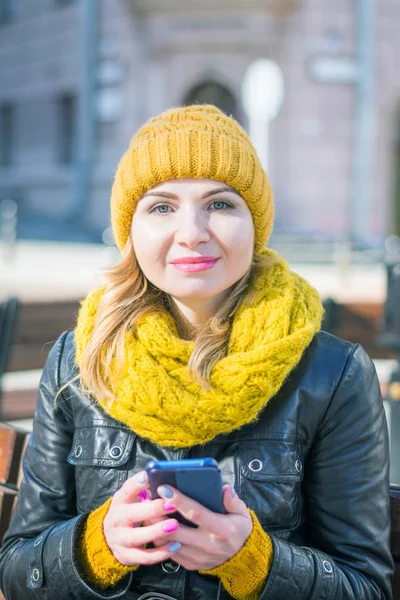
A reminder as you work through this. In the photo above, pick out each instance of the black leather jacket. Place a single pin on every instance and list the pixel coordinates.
(314, 468)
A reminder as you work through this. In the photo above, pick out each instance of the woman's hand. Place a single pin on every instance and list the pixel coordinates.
(217, 537)
(122, 525)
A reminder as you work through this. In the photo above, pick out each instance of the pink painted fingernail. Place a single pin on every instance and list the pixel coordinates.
(143, 495)
(169, 506)
(171, 526)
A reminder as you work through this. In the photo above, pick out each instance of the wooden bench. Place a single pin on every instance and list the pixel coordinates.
(37, 326)
(395, 537)
(8, 319)
(13, 442)
(12, 447)
(359, 322)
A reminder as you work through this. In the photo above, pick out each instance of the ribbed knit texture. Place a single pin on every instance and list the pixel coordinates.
(245, 574)
(197, 141)
(157, 398)
(98, 564)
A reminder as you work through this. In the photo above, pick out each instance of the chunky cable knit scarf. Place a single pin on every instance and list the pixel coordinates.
(157, 398)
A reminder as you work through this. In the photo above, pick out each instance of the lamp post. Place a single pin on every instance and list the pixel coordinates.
(262, 97)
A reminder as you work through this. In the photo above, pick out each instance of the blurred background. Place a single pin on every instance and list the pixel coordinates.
(315, 82)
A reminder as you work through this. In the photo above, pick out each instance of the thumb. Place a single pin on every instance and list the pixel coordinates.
(232, 503)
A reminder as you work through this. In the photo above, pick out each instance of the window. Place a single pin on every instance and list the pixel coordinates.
(7, 127)
(7, 8)
(67, 128)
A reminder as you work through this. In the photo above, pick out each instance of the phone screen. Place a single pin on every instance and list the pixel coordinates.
(199, 479)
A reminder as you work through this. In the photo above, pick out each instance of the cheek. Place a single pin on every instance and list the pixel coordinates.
(149, 245)
(148, 235)
(237, 237)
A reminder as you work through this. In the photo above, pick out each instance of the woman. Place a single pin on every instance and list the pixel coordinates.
(202, 343)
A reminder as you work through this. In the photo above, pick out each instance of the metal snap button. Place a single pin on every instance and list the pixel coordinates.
(116, 451)
(37, 542)
(298, 466)
(35, 575)
(170, 566)
(327, 566)
(255, 465)
(78, 451)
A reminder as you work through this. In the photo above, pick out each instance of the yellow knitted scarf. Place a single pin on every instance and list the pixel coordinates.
(157, 398)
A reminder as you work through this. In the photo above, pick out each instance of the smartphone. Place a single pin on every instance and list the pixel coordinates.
(197, 478)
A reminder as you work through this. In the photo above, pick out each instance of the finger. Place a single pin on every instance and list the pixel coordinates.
(148, 556)
(169, 509)
(190, 558)
(170, 512)
(155, 520)
(129, 537)
(192, 511)
(157, 542)
(128, 514)
(131, 489)
(146, 495)
(192, 539)
(232, 503)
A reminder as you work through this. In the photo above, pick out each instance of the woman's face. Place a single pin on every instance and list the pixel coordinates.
(193, 238)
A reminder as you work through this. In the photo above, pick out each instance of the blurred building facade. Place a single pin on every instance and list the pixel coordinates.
(77, 78)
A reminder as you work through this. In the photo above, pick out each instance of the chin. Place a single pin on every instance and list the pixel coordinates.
(195, 292)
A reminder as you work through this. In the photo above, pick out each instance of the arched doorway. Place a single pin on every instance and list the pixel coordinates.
(210, 92)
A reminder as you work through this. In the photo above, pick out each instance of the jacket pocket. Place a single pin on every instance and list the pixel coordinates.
(271, 472)
(102, 455)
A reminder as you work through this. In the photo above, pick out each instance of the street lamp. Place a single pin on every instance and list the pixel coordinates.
(262, 97)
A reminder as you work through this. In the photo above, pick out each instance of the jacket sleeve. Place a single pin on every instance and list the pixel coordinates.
(38, 558)
(346, 495)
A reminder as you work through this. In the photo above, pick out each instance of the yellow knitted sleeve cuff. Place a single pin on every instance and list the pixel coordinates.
(245, 574)
(98, 563)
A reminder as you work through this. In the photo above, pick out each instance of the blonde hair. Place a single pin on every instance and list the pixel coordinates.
(128, 297)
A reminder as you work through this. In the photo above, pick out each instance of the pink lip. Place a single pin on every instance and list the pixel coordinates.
(193, 259)
(195, 264)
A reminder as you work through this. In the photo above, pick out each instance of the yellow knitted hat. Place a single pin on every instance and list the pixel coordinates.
(197, 141)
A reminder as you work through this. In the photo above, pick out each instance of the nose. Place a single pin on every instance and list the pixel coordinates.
(191, 229)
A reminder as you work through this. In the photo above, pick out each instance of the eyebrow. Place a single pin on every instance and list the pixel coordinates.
(205, 195)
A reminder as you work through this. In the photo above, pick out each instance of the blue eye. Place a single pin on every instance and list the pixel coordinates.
(220, 205)
(164, 209)
(161, 209)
